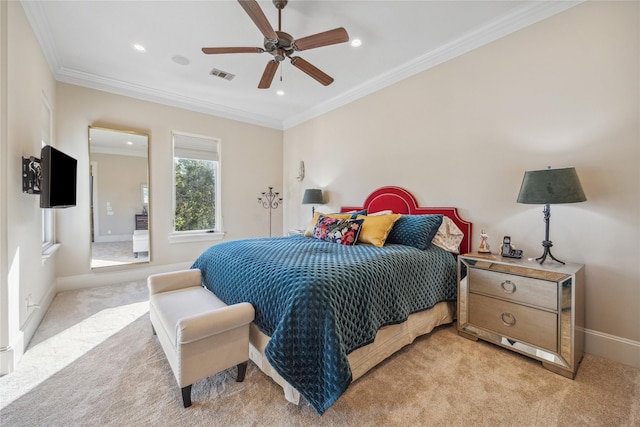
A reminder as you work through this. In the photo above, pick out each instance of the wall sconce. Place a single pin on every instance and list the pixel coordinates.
(550, 186)
(300, 176)
(312, 196)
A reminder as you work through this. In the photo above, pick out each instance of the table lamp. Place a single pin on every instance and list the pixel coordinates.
(547, 187)
(312, 196)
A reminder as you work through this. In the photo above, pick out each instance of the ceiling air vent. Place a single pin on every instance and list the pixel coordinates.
(222, 74)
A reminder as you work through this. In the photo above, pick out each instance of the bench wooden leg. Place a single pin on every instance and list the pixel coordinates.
(242, 370)
(186, 396)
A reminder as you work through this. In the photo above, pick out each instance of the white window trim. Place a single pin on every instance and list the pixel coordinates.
(49, 246)
(197, 235)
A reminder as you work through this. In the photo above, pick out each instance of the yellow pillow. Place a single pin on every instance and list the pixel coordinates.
(309, 231)
(375, 229)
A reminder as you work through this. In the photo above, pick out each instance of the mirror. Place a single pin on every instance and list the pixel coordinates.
(119, 194)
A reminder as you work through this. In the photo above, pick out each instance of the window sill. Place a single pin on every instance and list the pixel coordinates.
(49, 251)
(186, 237)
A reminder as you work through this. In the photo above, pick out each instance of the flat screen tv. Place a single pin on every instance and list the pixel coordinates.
(58, 178)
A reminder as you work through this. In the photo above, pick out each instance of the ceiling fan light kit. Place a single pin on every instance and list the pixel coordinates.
(282, 45)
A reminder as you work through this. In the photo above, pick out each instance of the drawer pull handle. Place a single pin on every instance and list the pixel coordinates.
(508, 319)
(508, 286)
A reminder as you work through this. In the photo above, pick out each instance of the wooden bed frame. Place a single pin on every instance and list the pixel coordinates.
(392, 338)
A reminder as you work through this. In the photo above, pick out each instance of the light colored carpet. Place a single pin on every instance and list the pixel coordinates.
(94, 361)
(105, 254)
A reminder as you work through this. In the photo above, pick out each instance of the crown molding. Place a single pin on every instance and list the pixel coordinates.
(517, 20)
(40, 26)
(529, 14)
(119, 87)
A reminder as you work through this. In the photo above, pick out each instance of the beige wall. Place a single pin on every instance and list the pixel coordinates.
(24, 271)
(251, 161)
(564, 92)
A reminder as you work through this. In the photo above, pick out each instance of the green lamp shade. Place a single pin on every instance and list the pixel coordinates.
(312, 196)
(551, 186)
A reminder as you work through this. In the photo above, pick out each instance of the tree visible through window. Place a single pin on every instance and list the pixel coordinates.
(196, 175)
(195, 195)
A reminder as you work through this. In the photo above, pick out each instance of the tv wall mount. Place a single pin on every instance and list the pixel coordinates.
(31, 175)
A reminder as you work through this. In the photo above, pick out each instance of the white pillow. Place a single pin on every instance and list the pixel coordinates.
(449, 236)
(387, 212)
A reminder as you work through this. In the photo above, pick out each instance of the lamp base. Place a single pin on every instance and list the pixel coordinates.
(547, 252)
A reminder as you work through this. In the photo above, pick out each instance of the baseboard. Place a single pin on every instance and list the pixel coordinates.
(114, 238)
(109, 276)
(611, 347)
(37, 314)
(11, 355)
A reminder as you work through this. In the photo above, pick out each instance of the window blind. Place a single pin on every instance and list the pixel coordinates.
(195, 147)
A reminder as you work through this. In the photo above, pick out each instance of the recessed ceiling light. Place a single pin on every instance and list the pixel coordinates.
(280, 93)
(179, 59)
(356, 42)
(139, 47)
(129, 143)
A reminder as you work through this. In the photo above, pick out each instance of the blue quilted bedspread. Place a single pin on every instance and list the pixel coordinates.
(319, 301)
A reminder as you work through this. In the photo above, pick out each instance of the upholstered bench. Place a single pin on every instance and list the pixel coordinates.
(200, 334)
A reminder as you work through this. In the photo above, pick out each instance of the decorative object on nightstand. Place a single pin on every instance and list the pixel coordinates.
(506, 250)
(484, 245)
(547, 187)
(312, 196)
(270, 200)
(525, 307)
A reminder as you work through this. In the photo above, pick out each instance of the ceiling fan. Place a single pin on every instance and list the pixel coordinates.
(282, 45)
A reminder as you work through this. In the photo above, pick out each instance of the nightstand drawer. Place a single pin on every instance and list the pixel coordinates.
(527, 290)
(522, 323)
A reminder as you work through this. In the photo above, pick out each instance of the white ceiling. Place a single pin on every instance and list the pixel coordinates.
(89, 43)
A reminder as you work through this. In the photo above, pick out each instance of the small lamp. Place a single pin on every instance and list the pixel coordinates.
(312, 196)
(550, 186)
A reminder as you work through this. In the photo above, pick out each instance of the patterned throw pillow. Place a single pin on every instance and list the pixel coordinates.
(312, 224)
(449, 236)
(415, 230)
(337, 230)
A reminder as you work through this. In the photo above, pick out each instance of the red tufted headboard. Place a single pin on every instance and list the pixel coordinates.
(401, 201)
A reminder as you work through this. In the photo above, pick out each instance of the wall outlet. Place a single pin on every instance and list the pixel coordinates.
(30, 303)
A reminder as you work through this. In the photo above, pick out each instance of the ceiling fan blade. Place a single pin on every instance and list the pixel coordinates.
(335, 36)
(217, 50)
(267, 76)
(311, 70)
(257, 16)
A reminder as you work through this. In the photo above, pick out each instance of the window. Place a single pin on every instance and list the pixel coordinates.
(196, 167)
(48, 225)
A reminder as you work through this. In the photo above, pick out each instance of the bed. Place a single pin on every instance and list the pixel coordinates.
(327, 313)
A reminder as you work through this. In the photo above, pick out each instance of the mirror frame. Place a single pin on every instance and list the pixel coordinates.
(114, 263)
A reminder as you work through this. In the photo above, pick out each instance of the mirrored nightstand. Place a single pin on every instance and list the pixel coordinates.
(536, 310)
